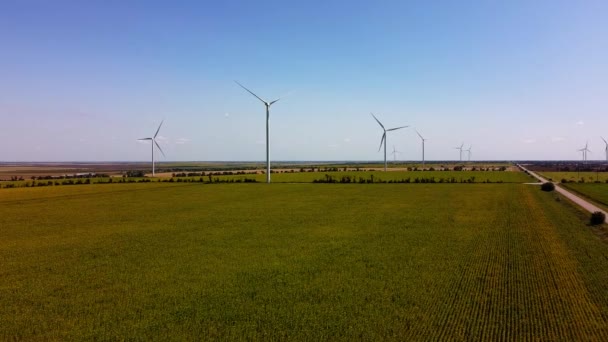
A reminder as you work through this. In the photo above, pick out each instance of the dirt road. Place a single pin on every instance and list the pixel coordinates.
(574, 198)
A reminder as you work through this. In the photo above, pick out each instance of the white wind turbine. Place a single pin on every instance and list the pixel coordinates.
(469, 152)
(153, 142)
(606, 149)
(584, 151)
(423, 140)
(460, 148)
(395, 153)
(267, 104)
(383, 140)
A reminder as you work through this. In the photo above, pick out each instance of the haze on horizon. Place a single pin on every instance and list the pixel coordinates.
(519, 80)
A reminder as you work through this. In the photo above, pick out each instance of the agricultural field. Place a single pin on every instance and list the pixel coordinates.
(176, 261)
(300, 177)
(588, 177)
(394, 176)
(597, 193)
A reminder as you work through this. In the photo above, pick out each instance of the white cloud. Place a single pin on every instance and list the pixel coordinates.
(226, 114)
(580, 123)
(529, 141)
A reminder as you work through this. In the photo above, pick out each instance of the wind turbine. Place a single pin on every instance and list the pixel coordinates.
(383, 140)
(423, 140)
(606, 142)
(267, 104)
(395, 152)
(469, 152)
(153, 142)
(584, 151)
(460, 148)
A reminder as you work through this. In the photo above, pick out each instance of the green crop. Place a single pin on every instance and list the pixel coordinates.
(191, 261)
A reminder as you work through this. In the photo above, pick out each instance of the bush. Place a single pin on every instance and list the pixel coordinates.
(598, 217)
(548, 186)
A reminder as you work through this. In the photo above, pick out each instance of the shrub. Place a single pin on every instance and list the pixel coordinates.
(564, 180)
(598, 217)
(548, 186)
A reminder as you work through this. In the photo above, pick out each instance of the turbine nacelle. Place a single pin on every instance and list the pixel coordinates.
(266, 103)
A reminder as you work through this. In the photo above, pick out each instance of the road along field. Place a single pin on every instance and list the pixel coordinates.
(171, 261)
(597, 193)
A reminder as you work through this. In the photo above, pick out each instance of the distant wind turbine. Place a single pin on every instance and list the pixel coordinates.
(469, 152)
(267, 104)
(584, 152)
(423, 140)
(383, 140)
(460, 148)
(395, 152)
(154, 142)
(606, 149)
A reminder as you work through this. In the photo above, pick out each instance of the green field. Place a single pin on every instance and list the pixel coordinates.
(446, 176)
(308, 177)
(571, 176)
(162, 261)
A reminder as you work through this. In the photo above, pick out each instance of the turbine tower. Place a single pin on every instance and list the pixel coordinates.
(423, 140)
(606, 149)
(267, 104)
(460, 148)
(154, 142)
(383, 140)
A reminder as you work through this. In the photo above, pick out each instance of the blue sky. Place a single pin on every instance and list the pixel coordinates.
(82, 80)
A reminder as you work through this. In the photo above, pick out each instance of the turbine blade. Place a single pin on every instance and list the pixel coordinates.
(379, 123)
(419, 134)
(145, 139)
(382, 141)
(250, 92)
(270, 104)
(161, 123)
(396, 128)
(160, 149)
(605, 142)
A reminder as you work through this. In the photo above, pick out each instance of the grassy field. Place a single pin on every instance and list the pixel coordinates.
(456, 176)
(571, 176)
(402, 262)
(309, 177)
